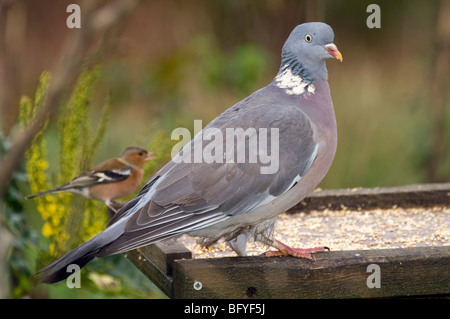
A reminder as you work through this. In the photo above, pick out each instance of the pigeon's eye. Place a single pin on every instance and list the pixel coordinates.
(308, 38)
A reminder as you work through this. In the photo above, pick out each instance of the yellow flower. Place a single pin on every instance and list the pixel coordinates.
(47, 230)
(51, 249)
(52, 208)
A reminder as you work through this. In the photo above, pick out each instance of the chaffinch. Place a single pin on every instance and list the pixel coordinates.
(109, 180)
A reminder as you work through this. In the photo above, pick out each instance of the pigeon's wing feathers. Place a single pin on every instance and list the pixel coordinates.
(190, 196)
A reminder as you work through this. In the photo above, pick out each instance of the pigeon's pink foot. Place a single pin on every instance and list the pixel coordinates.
(285, 250)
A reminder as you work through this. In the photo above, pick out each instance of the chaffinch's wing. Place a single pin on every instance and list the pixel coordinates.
(113, 171)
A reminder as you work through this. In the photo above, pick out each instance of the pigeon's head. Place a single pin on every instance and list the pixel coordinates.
(309, 45)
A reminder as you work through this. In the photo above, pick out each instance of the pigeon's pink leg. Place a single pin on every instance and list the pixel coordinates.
(285, 250)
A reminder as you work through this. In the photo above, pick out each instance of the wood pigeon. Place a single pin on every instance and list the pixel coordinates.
(236, 189)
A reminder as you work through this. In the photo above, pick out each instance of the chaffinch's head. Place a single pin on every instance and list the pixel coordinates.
(137, 156)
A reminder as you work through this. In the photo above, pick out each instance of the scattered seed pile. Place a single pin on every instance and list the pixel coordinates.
(349, 230)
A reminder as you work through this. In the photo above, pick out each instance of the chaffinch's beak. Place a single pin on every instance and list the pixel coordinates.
(333, 51)
(150, 156)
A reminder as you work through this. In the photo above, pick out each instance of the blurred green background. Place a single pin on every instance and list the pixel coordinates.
(176, 61)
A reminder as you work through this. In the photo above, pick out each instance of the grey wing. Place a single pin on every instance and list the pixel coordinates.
(184, 197)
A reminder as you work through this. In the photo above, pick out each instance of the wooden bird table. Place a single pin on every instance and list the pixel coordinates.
(385, 242)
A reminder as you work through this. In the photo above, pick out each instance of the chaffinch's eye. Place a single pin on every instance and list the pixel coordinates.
(141, 153)
(308, 38)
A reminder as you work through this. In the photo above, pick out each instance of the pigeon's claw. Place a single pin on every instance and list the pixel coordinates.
(285, 250)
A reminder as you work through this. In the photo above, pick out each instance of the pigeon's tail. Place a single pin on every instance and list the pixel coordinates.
(79, 257)
(60, 270)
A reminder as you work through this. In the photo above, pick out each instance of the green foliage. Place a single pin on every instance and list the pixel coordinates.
(69, 219)
(22, 250)
(241, 69)
(78, 147)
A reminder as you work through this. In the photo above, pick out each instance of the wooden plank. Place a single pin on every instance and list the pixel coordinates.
(341, 274)
(162, 254)
(155, 261)
(423, 195)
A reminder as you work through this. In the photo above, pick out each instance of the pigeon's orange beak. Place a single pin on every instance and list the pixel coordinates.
(333, 51)
(150, 156)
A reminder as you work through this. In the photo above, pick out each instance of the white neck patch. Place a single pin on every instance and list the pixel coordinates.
(293, 84)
